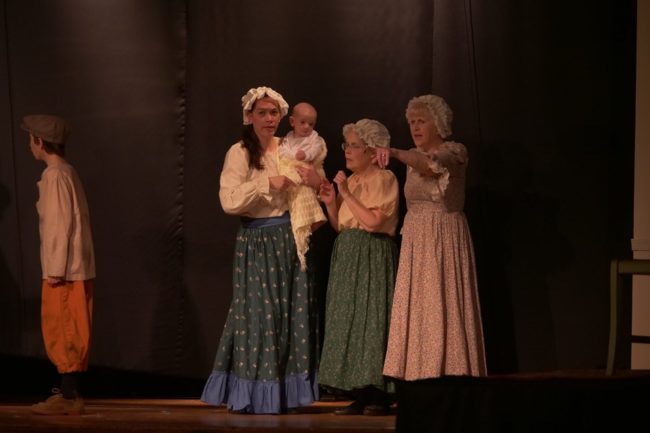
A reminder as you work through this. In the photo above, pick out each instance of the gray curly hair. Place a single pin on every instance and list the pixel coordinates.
(373, 133)
(442, 114)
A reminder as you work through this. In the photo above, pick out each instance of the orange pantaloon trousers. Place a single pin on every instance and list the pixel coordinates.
(66, 322)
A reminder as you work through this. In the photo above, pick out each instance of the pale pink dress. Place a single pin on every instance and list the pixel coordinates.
(435, 327)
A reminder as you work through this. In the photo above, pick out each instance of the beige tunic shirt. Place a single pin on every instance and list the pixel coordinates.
(378, 190)
(245, 191)
(66, 239)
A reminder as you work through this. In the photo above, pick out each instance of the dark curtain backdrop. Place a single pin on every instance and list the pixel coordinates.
(543, 95)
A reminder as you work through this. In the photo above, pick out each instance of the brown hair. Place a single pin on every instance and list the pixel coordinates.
(50, 148)
(251, 143)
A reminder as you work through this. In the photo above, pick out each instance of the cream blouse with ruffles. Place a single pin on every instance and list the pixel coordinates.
(246, 191)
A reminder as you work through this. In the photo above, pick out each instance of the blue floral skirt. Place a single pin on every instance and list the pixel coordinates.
(267, 358)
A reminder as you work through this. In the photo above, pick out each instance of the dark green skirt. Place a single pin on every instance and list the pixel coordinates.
(267, 358)
(359, 299)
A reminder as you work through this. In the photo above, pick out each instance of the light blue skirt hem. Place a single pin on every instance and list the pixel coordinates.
(256, 396)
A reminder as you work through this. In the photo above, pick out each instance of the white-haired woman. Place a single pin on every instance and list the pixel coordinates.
(362, 271)
(435, 322)
(267, 356)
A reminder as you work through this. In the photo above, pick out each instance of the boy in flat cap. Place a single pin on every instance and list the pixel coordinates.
(67, 262)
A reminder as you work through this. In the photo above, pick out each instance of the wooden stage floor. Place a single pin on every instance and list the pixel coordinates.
(177, 416)
(559, 401)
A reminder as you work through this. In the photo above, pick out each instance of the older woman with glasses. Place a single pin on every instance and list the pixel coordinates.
(362, 272)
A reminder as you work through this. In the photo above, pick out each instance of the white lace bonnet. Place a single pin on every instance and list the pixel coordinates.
(256, 93)
(442, 114)
(373, 133)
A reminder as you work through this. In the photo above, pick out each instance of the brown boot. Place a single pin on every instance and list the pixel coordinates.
(356, 408)
(57, 405)
(376, 410)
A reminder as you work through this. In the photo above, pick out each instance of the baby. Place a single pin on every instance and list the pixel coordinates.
(301, 147)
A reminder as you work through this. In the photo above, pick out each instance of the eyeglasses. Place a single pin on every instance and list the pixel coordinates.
(353, 146)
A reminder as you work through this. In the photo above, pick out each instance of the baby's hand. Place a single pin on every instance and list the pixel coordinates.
(300, 155)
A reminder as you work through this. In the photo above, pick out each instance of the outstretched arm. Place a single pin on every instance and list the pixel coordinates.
(417, 160)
